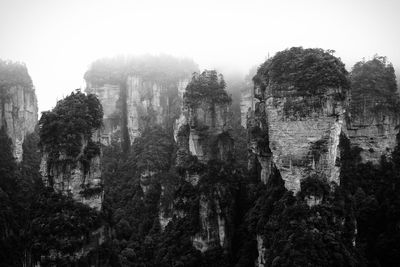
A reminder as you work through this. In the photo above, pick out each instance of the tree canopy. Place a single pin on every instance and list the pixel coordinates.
(308, 70)
(74, 118)
(208, 86)
(12, 74)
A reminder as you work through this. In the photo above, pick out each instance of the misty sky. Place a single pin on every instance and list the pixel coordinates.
(58, 39)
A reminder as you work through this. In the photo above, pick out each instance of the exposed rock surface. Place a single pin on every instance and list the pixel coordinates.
(70, 176)
(304, 133)
(143, 98)
(246, 103)
(202, 135)
(370, 129)
(19, 112)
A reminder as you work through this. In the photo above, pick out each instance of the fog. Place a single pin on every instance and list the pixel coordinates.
(59, 39)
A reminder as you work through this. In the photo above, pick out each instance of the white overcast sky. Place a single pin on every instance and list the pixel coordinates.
(58, 39)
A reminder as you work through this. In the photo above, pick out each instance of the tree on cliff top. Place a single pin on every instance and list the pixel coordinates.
(209, 86)
(12, 74)
(375, 77)
(308, 70)
(62, 129)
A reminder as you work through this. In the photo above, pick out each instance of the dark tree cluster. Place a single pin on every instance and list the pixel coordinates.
(208, 87)
(307, 70)
(64, 130)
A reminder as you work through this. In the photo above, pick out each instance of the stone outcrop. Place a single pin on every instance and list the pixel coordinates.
(299, 134)
(18, 111)
(136, 91)
(214, 218)
(71, 176)
(372, 129)
(246, 103)
(143, 98)
(202, 134)
(304, 133)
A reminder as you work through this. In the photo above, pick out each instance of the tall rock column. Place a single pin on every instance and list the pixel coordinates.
(137, 91)
(18, 104)
(301, 97)
(304, 133)
(374, 115)
(71, 148)
(203, 137)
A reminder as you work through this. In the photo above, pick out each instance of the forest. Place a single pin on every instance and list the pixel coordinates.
(351, 223)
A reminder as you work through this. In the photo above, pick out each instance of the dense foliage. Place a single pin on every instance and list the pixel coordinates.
(374, 190)
(375, 76)
(207, 87)
(72, 122)
(307, 70)
(13, 74)
(37, 224)
(354, 224)
(374, 85)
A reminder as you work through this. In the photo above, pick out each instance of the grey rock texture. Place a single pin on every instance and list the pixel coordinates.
(69, 176)
(371, 129)
(142, 98)
(19, 114)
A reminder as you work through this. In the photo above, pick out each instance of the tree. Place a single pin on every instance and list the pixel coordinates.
(308, 70)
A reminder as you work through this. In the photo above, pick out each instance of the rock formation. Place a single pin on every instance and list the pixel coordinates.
(295, 125)
(202, 136)
(137, 91)
(373, 132)
(304, 133)
(18, 104)
(373, 117)
(82, 180)
(71, 148)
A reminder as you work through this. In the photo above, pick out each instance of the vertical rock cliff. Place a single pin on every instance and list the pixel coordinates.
(137, 91)
(18, 104)
(299, 114)
(71, 148)
(202, 138)
(304, 133)
(374, 116)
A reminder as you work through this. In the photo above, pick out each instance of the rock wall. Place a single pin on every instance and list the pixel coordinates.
(70, 176)
(304, 134)
(158, 101)
(213, 222)
(201, 131)
(299, 134)
(370, 129)
(19, 114)
(246, 103)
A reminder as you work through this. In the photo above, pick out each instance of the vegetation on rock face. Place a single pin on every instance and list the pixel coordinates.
(307, 70)
(375, 194)
(207, 87)
(13, 74)
(72, 122)
(37, 224)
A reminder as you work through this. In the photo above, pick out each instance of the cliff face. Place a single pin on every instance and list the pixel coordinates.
(371, 129)
(69, 175)
(202, 136)
(304, 133)
(137, 92)
(18, 104)
(70, 144)
(144, 100)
